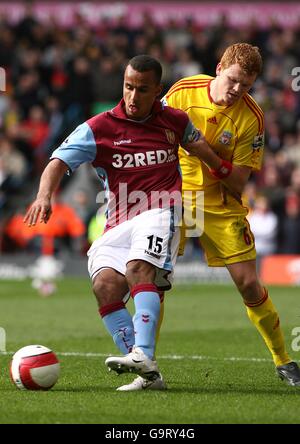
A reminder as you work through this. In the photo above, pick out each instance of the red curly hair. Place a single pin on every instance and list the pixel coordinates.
(246, 55)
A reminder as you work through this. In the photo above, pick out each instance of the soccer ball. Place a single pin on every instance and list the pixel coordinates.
(34, 367)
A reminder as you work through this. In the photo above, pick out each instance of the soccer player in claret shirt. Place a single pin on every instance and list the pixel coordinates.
(233, 126)
(134, 149)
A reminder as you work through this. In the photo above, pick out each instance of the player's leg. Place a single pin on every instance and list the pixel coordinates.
(141, 383)
(260, 308)
(161, 316)
(110, 287)
(229, 241)
(181, 248)
(153, 248)
(140, 276)
(151, 262)
(107, 266)
(264, 316)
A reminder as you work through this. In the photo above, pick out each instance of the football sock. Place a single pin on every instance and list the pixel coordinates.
(118, 322)
(145, 320)
(161, 316)
(265, 318)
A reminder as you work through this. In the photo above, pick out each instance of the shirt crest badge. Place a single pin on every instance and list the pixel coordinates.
(170, 136)
(258, 142)
(225, 138)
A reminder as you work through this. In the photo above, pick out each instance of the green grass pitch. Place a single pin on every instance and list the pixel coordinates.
(215, 363)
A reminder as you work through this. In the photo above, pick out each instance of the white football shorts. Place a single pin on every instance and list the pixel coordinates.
(152, 236)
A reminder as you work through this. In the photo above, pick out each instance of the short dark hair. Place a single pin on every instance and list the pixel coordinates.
(144, 63)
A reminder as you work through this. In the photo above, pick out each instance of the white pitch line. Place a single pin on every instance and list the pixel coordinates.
(169, 357)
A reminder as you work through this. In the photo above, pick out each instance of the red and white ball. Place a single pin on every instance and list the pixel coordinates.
(34, 367)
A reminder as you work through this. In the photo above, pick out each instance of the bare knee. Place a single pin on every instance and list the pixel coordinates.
(248, 285)
(245, 278)
(109, 286)
(139, 272)
(101, 291)
(250, 289)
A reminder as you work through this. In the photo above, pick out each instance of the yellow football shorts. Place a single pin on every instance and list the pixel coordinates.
(225, 236)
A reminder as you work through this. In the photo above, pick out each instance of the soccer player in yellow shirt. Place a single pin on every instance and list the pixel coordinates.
(232, 124)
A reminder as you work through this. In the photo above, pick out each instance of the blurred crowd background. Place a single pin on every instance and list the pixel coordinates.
(58, 77)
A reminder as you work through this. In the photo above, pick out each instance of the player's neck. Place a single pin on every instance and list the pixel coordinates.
(141, 119)
(214, 94)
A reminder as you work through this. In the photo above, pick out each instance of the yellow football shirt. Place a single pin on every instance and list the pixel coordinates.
(235, 133)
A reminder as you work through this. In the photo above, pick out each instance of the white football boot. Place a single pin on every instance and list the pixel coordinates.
(140, 383)
(135, 362)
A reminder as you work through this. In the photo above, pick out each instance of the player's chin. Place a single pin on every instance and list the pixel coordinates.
(135, 115)
(231, 99)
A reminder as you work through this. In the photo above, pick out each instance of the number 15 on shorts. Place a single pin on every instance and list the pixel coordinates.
(155, 244)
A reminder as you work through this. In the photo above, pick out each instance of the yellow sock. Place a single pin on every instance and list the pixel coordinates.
(265, 318)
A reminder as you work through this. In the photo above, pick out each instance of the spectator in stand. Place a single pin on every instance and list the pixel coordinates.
(185, 66)
(55, 120)
(274, 191)
(35, 131)
(97, 225)
(79, 94)
(107, 81)
(64, 231)
(16, 236)
(28, 92)
(291, 224)
(292, 148)
(13, 169)
(264, 226)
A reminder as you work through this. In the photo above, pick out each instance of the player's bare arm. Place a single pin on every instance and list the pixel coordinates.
(50, 179)
(234, 177)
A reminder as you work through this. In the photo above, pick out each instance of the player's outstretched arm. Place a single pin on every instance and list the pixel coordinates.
(203, 151)
(234, 177)
(50, 179)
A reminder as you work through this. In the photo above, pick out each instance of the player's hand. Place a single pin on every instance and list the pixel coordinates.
(40, 211)
(196, 148)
